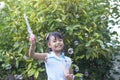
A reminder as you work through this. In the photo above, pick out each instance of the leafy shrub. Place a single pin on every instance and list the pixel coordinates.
(83, 24)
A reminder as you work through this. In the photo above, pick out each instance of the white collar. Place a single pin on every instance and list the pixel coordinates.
(62, 55)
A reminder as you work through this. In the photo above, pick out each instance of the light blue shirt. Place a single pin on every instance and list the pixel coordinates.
(56, 67)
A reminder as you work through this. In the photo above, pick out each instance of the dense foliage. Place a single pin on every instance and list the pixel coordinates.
(83, 23)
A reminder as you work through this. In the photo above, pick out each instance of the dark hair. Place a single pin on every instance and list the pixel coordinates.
(56, 35)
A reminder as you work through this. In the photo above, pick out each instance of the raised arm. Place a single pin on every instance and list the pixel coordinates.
(32, 53)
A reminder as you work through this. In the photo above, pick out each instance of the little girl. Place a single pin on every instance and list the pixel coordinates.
(58, 66)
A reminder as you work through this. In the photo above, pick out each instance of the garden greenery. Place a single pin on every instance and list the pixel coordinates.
(83, 23)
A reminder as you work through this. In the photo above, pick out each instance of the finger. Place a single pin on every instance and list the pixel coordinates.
(32, 37)
(73, 77)
(67, 76)
(70, 77)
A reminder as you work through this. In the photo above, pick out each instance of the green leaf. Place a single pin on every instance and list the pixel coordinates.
(30, 60)
(36, 74)
(79, 75)
(80, 57)
(31, 72)
(89, 42)
(29, 66)
(41, 69)
(17, 63)
(16, 45)
(87, 57)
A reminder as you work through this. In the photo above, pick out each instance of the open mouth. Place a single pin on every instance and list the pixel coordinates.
(59, 46)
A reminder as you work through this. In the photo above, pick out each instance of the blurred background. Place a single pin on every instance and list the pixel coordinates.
(90, 29)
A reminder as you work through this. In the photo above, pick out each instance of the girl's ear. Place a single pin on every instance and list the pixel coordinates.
(49, 46)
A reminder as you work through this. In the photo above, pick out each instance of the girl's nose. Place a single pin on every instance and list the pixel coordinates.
(58, 42)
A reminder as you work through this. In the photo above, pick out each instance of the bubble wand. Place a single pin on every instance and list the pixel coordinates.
(28, 26)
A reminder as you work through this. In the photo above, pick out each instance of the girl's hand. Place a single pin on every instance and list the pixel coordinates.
(32, 39)
(69, 77)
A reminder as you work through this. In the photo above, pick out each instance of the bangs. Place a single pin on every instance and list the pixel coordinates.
(55, 34)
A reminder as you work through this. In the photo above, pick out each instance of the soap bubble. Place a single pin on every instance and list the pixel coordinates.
(18, 77)
(70, 50)
(76, 69)
(103, 17)
(86, 35)
(86, 73)
(8, 66)
(2, 5)
(81, 78)
(77, 16)
(76, 42)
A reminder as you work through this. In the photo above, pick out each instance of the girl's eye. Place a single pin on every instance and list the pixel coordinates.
(54, 41)
(60, 39)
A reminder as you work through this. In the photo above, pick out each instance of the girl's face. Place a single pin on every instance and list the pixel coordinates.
(56, 44)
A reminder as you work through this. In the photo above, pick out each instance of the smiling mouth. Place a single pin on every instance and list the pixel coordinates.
(60, 46)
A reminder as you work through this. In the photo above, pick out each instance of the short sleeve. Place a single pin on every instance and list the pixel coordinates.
(46, 58)
(69, 62)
